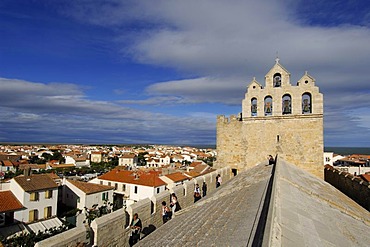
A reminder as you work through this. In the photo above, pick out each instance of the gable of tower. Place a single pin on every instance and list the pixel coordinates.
(277, 77)
(306, 80)
(254, 84)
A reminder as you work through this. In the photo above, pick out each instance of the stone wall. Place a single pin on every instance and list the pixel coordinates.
(354, 187)
(113, 229)
(74, 237)
(296, 139)
(230, 144)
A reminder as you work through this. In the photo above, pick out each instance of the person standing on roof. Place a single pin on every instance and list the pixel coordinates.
(135, 230)
(197, 194)
(204, 189)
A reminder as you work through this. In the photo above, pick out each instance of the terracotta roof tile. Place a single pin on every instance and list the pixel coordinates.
(143, 178)
(177, 177)
(53, 175)
(196, 163)
(7, 163)
(62, 165)
(365, 177)
(90, 188)
(35, 182)
(128, 156)
(8, 202)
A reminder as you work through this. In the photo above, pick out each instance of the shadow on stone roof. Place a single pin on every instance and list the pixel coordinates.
(304, 211)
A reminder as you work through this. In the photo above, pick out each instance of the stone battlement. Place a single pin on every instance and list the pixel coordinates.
(352, 186)
(280, 205)
(226, 120)
(113, 229)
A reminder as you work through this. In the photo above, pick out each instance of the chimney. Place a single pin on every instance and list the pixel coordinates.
(27, 172)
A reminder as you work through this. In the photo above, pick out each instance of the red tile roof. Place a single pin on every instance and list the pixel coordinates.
(8, 202)
(365, 177)
(35, 182)
(128, 156)
(196, 163)
(53, 176)
(143, 178)
(61, 165)
(90, 188)
(177, 177)
(7, 163)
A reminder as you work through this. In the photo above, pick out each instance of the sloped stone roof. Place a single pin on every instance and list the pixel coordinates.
(311, 212)
(219, 219)
(304, 211)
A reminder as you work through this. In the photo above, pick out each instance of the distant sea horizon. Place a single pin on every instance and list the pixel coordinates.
(336, 150)
(348, 150)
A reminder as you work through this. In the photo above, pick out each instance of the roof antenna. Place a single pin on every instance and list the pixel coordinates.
(277, 57)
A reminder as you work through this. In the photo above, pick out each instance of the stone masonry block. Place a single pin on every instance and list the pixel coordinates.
(69, 238)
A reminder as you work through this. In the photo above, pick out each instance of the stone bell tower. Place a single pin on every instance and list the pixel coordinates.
(278, 118)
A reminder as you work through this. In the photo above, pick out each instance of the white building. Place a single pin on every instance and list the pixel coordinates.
(79, 195)
(77, 161)
(7, 166)
(328, 158)
(165, 160)
(38, 193)
(96, 157)
(132, 185)
(129, 160)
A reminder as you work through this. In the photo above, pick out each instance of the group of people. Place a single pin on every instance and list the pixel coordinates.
(197, 193)
(168, 212)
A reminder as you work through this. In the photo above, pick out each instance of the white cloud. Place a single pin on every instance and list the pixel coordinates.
(221, 45)
(61, 112)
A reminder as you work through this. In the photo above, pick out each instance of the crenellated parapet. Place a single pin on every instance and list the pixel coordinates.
(113, 229)
(353, 186)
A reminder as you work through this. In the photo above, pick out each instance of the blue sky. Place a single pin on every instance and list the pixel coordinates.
(160, 72)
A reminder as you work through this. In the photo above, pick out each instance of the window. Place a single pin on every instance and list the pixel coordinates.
(78, 200)
(47, 212)
(48, 194)
(135, 190)
(115, 186)
(123, 187)
(268, 106)
(101, 182)
(254, 107)
(306, 103)
(277, 80)
(157, 190)
(34, 196)
(327, 159)
(287, 104)
(109, 184)
(33, 215)
(105, 196)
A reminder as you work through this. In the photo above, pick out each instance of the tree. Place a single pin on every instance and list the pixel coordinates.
(141, 158)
